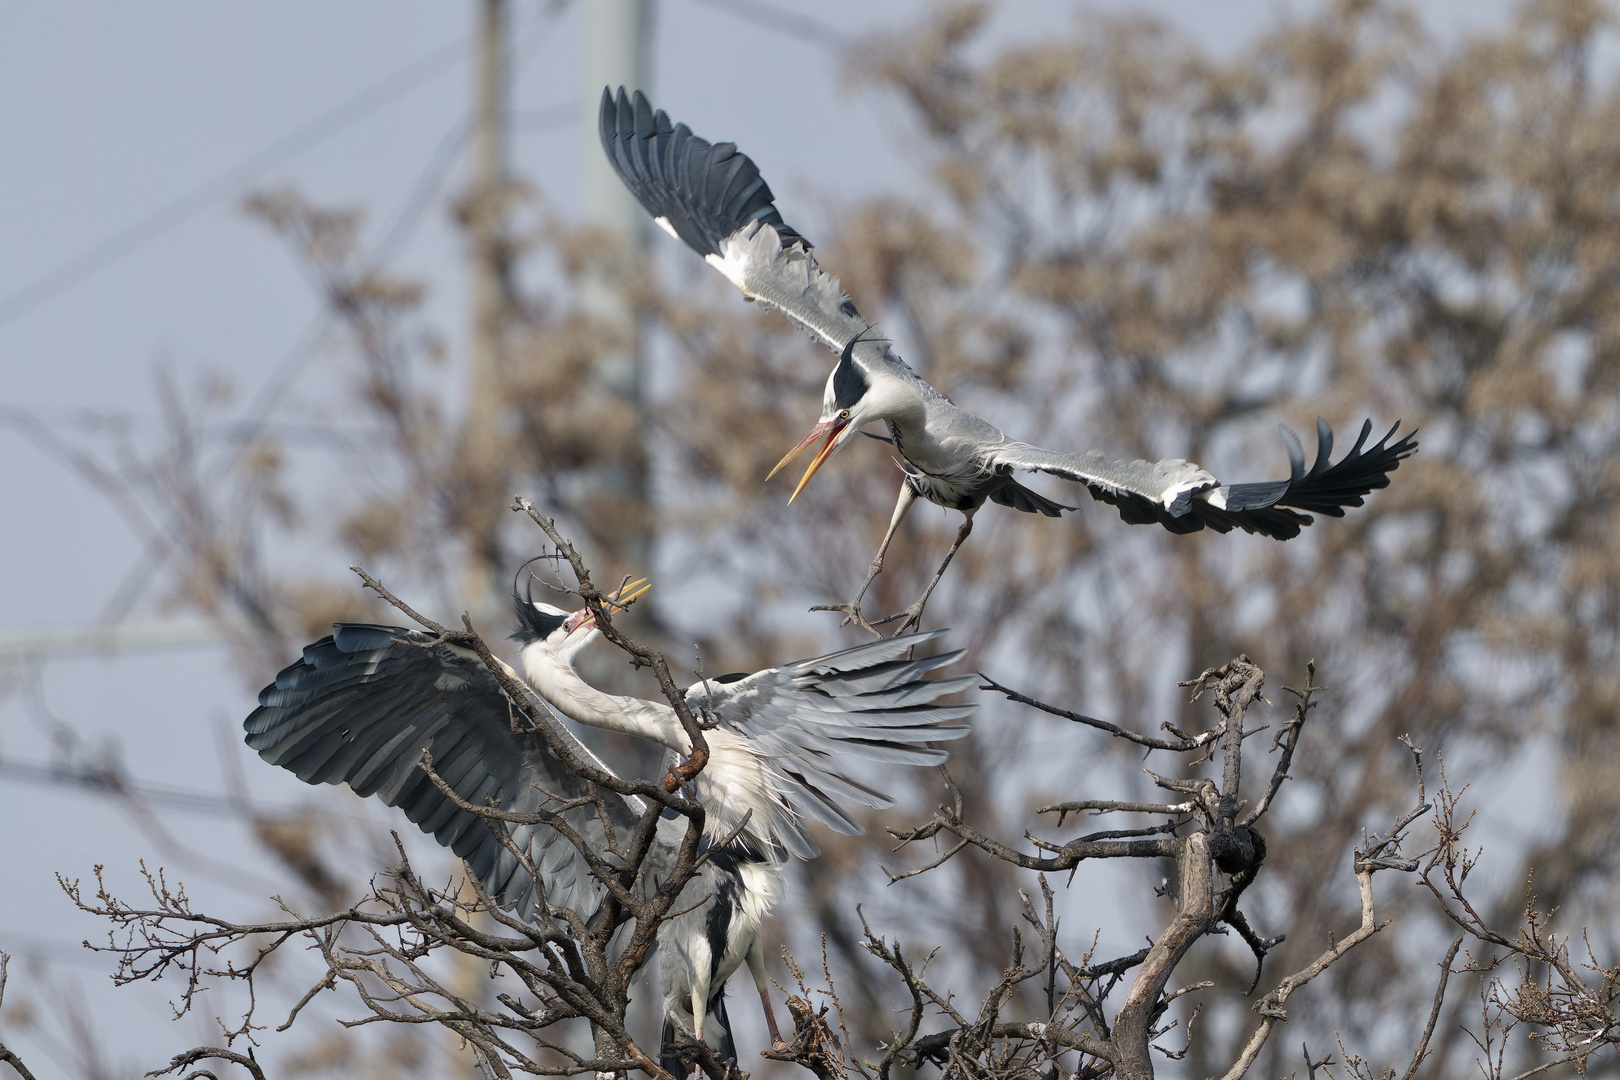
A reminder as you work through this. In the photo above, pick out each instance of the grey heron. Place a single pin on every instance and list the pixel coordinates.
(774, 738)
(712, 198)
(359, 708)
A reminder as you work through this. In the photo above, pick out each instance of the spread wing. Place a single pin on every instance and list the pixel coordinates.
(1184, 498)
(360, 707)
(868, 703)
(713, 198)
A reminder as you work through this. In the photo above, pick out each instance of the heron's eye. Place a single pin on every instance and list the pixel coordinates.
(844, 415)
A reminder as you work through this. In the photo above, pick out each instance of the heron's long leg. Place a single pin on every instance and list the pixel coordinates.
(913, 614)
(901, 507)
(756, 968)
(700, 998)
(852, 610)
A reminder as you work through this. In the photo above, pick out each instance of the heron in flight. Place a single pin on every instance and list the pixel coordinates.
(360, 707)
(713, 198)
(775, 738)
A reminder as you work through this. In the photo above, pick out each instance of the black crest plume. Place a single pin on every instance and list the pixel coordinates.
(533, 624)
(849, 381)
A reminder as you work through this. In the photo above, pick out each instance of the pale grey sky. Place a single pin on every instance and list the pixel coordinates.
(112, 112)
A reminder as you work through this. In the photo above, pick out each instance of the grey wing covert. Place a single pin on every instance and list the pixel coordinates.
(361, 706)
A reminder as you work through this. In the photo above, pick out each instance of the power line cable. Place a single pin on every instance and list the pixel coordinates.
(533, 121)
(783, 22)
(180, 209)
(271, 393)
(114, 785)
(32, 946)
(406, 219)
(286, 371)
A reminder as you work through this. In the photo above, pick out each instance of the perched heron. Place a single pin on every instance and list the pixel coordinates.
(714, 199)
(774, 738)
(360, 707)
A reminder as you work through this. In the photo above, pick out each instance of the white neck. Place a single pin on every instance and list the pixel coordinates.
(563, 688)
(896, 400)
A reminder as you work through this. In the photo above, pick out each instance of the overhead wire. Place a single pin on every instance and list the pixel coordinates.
(270, 394)
(781, 21)
(405, 220)
(113, 784)
(286, 371)
(104, 778)
(32, 946)
(178, 210)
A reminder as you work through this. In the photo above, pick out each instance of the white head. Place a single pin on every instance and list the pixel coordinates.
(561, 634)
(856, 395)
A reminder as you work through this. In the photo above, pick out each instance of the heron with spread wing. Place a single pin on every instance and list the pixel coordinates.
(360, 707)
(713, 198)
(781, 742)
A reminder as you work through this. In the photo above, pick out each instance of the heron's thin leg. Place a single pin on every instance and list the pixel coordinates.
(699, 1000)
(756, 968)
(852, 610)
(913, 614)
(901, 507)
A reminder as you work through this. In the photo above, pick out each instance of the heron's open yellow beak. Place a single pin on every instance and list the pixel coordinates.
(629, 593)
(830, 429)
(622, 598)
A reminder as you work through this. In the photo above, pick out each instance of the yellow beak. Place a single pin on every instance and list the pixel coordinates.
(830, 429)
(629, 593)
(621, 600)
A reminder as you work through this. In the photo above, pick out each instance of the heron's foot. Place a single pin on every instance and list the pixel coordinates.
(910, 619)
(852, 614)
(779, 1047)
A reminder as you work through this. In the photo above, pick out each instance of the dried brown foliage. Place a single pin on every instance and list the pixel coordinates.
(1126, 243)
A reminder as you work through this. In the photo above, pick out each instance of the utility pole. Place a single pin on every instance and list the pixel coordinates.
(618, 50)
(485, 210)
(485, 491)
(618, 45)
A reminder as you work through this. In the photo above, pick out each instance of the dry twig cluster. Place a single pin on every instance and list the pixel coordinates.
(1127, 236)
(1053, 1009)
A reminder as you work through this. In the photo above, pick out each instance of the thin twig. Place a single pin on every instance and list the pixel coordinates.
(1101, 725)
(7, 1055)
(1422, 1050)
(203, 1053)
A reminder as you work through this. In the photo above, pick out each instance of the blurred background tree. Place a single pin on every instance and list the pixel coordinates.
(1126, 243)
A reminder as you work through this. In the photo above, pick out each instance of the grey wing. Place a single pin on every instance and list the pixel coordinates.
(360, 707)
(869, 703)
(1184, 498)
(713, 198)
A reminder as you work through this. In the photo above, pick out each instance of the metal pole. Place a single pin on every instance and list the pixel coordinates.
(481, 446)
(486, 220)
(617, 53)
(618, 46)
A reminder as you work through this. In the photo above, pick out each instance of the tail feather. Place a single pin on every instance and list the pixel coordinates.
(1016, 495)
(728, 1042)
(668, 1057)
